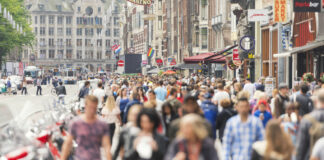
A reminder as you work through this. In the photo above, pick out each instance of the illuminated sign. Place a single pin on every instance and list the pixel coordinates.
(307, 5)
(141, 2)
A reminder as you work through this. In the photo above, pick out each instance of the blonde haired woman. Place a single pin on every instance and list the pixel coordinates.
(276, 146)
(111, 114)
(192, 142)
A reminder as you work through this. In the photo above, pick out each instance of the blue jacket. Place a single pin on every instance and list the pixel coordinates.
(210, 113)
(128, 106)
(8, 84)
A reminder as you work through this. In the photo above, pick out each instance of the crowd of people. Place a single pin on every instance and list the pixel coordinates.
(197, 118)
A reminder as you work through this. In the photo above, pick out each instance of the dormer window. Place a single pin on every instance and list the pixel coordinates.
(59, 8)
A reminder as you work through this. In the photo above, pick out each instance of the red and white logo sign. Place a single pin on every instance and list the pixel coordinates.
(258, 15)
(173, 62)
(236, 57)
(120, 63)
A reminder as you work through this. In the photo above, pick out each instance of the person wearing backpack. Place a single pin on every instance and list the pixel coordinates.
(305, 103)
(311, 128)
(210, 110)
(84, 91)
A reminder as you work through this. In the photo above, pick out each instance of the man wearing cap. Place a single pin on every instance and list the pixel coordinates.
(280, 100)
(210, 110)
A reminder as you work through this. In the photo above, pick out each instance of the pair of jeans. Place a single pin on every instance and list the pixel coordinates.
(112, 127)
(24, 89)
(39, 88)
(61, 99)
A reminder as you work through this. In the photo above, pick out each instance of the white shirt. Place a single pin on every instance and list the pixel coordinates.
(250, 88)
(218, 97)
(159, 105)
(100, 94)
(111, 116)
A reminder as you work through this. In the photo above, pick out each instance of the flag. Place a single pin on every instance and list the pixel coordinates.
(150, 52)
(114, 47)
(117, 51)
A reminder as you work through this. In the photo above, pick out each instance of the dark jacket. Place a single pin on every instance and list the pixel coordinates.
(60, 90)
(207, 150)
(222, 118)
(84, 92)
(126, 141)
(128, 106)
(279, 105)
(305, 104)
(303, 137)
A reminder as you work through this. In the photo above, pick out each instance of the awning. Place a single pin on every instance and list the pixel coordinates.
(197, 58)
(188, 66)
(154, 71)
(305, 48)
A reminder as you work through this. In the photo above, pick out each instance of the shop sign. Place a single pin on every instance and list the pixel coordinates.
(141, 2)
(285, 40)
(280, 10)
(307, 5)
(236, 55)
(258, 15)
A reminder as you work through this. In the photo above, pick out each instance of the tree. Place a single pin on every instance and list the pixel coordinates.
(9, 37)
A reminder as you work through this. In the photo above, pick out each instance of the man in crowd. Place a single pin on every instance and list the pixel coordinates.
(219, 96)
(136, 100)
(152, 98)
(90, 134)
(84, 91)
(175, 103)
(61, 92)
(39, 86)
(249, 87)
(100, 94)
(9, 86)
(241, 132)
(160, 92)
(305, 103)
(280, 101)
(311, 123)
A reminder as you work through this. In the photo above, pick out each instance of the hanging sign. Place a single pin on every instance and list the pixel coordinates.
(231, 65)
(257, 15)
(141, 2)
(280, 10)
(236, 55)
(307, 5)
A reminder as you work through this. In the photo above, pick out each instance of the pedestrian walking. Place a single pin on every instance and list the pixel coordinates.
(311, 128)
(135, 100)
(100, 94)
(111, 114)
(39, 86)
(241, 132)
(122, 101)
(277, 144)
(24, 87)
(210, 110)
(219, 96)
(84, 91)
(223, 117)
(280, 100)
(61, 93)
(192, 142)
(305, 103)
(249, 87)
(9, 86)
(89, 133)
(160, 92)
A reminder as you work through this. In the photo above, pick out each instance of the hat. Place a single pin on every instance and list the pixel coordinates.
(264, 102)
(283, 85)
(208, 95)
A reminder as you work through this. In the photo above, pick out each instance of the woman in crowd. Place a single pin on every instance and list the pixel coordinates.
(111, 114)
(223, 116)
(275, 92)
(122, 101)
(192, 142)
(140, 91)
(168, 115)
(290, 120)
(276, 146)
(149, 145)
(24, 87)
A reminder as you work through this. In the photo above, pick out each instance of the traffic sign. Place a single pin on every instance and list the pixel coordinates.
(120, 63)
(235, 54)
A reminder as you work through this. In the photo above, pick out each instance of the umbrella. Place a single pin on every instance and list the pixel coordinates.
(169, 72)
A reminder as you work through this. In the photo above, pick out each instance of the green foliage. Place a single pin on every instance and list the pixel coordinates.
(9, 37)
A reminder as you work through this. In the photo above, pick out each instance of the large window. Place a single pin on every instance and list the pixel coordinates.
(68, 31)
(89, 54)
(79, 42)
(116, 19)
(51, 54)
(108, 32)
(69, 54)
(42, 19)
(35, 19)
(116, 32)
(160, 4)
(160, 22)
(69, 20)
(51, 31)
(204, 38)
(60, 54)
(79, 54)
(42, 31)
(88, 43)
(50, 19)
(99, 9)
(99, 31)
(99, 55)
(42, 42)
(60, 42)
(99, 42)
(79, 31)
(51, 42)
(79, 9)
(60, 31)
(60, 20)
(88, 31)
(108, 43)
(35, 31)
(69, 42)
(42, 54)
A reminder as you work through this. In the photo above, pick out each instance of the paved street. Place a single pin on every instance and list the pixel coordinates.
(17, 103)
